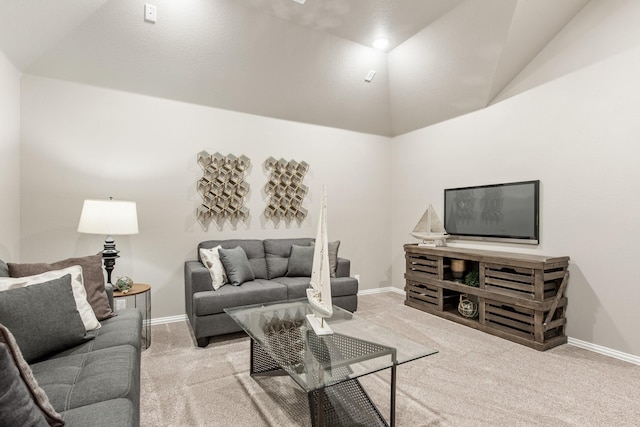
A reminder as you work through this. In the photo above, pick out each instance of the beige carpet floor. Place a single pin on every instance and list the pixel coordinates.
(476, 379)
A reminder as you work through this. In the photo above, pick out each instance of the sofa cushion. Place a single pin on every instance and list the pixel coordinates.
(254, 249)
(22, 401)
(123, 329)
(300, 261)
(278, 251)
(112, 413)
(297, 286)
(77, 285)
(92, 274)
(254, 292)
(211, 259)
(84, 379)
(236, 265)
(53, 323)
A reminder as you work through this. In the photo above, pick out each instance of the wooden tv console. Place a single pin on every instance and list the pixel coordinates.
(520, 296)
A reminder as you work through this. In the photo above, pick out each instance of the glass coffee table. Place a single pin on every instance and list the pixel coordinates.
(327, 367)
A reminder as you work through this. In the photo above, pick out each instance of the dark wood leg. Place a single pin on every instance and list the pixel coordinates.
(392, 415)
(202, 342)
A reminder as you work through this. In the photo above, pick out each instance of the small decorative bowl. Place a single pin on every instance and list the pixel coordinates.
(124, 283)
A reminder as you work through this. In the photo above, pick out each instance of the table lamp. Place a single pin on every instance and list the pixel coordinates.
(109, 217)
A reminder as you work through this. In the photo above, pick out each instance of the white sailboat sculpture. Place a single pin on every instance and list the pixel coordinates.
(429, 229)
(319, 292)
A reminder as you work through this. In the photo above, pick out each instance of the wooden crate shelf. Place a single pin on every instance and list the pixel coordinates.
(520, 297)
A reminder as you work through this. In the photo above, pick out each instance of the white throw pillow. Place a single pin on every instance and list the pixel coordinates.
(211, 260)
(89, 318)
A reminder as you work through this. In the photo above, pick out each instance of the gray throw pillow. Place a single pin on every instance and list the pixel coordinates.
(23, 402)
(43, 318)
(333, 256)
(300, 261)
(236, 265)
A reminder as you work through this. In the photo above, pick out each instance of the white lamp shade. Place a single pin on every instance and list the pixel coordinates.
(108, 217)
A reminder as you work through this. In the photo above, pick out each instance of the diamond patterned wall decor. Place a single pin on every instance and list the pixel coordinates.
(285, 190)
(222, 188)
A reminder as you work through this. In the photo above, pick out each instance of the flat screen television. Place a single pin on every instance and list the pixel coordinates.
(498, 212)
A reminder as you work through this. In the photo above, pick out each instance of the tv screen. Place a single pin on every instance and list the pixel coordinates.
(501, 212)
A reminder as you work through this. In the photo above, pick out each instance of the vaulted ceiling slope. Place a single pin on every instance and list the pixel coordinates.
(301, 62)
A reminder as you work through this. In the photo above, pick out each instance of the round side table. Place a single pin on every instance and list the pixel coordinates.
(139, 296)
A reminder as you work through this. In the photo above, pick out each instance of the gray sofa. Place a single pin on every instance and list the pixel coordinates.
(269, 261)
(96, 383)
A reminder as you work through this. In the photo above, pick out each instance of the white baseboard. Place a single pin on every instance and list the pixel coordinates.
(169, 319)
(381, 290)
(604, 350)
(571, 341)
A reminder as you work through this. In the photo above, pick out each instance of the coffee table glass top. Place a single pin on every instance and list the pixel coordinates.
(357, 347)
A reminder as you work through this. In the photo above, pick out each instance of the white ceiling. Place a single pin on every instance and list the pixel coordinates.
(281, 59)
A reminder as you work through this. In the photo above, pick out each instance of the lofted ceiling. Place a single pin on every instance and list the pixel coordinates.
(282, 59)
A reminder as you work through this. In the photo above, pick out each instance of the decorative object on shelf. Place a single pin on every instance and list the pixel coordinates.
(124, 283)
(223, 188)
(467, 307)
(457, 268)
(319, 290)
(430, 229)
(472, 279)
(285, 190)
(110, 217)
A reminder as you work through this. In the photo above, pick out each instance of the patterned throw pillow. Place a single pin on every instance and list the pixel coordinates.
(211, 260)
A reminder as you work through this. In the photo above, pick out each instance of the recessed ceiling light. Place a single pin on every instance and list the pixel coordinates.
(380, 43)
(300, 1)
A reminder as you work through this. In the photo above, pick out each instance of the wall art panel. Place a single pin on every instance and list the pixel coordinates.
(223, 188)
(285, 190)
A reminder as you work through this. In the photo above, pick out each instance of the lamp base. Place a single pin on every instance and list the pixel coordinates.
(109, 255)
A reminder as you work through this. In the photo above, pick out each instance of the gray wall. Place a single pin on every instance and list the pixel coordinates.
(9, 160)
(578, 133)
(81, 142)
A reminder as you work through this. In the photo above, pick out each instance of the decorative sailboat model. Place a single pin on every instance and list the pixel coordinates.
(429, 229)
(319, 292)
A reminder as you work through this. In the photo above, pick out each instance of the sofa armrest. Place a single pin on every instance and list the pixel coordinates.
(343, 268)
(197, 278)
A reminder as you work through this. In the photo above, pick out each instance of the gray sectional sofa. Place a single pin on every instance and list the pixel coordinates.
(95, 383)
(269, 261)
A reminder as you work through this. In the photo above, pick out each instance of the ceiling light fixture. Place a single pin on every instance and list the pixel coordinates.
(380, 43)
(300, 1)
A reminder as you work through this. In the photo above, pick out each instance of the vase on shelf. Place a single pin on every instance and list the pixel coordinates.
(457, 268)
